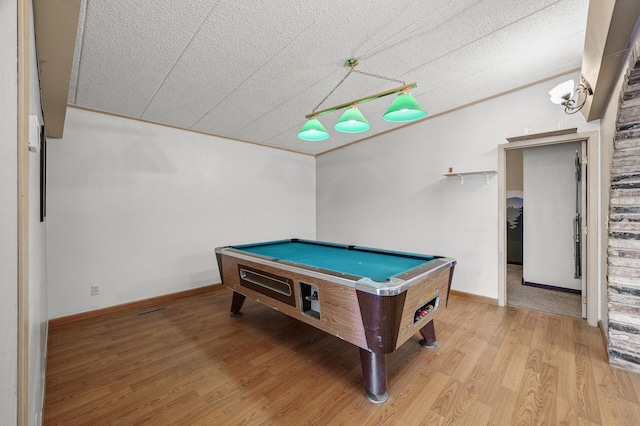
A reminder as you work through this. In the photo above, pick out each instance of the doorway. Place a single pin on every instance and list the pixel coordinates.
(588, 240)
(544, 215)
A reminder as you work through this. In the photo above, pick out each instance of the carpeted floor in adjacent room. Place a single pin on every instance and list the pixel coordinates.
(552, 301)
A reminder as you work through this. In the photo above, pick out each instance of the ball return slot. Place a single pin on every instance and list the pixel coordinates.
(310, 301)
(424, 310)
(271, 285)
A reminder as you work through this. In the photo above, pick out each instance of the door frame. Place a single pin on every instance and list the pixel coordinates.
(23, 86)
(590, 258)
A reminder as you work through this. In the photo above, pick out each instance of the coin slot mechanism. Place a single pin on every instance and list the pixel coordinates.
(310, 300)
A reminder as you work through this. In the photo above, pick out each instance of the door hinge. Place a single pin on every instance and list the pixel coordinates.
(584, 300)
(585, 160)
(584, 230)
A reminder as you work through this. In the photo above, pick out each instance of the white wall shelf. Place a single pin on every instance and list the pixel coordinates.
(487, 174)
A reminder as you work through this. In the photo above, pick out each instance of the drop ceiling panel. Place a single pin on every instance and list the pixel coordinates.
(231, 47)
(252, 70)
(129, 47)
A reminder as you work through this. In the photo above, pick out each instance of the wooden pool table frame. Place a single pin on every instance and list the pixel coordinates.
(376, 317)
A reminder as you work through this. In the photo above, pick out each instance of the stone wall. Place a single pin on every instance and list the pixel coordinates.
(624, 227)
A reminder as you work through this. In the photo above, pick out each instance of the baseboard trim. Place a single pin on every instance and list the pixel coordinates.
(43, 384)
(54, 322)
(551, 287)
(605, 339)
(483, 299)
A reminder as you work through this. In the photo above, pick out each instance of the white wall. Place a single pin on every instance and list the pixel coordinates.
(8, 213)
(37, 259)
(549, 189)
(389, 192)
(138, 208)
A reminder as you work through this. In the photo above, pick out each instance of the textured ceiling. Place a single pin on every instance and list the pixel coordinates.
(251, 70)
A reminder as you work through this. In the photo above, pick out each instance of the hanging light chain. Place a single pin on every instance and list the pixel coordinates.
(379, 76)
(333, 90)
(352, 64)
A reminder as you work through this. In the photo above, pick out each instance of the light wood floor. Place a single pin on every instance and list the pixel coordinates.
(193, 364)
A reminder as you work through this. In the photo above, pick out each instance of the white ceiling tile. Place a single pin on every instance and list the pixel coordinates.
(129, 47)
(252, 70)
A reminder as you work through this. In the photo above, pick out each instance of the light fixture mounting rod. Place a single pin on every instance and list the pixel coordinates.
(362, 100)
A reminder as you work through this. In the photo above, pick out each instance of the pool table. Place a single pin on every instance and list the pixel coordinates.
(375, 299)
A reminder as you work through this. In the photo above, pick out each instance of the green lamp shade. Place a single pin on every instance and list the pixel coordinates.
(352, 121)
(404, 108)
(313, 130)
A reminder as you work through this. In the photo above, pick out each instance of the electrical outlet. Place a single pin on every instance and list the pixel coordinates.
(95, 290)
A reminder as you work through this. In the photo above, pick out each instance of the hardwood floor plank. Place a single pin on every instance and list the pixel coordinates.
(469, 363)
(567, 387)
(335, 398)
(586, 385)
(547, 397)
(551, 342)
(525, 414)
(467, 402)
(567, 413)
(192, 363)
(446, 399)
(614, 385)
(505, 317)
(623, 385)
(416, 406)
(474, 414)
(503, 406)
(515, 359)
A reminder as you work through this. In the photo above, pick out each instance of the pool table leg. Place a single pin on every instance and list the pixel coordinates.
(429, 334)
(236, 304)
(374, 372)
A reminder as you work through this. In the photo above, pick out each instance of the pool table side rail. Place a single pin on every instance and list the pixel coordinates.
(396, 284)
(403, 282)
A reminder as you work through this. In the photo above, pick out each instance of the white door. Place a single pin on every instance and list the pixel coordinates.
(552, 200)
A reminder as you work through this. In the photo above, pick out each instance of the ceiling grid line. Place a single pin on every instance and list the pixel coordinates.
(367, 53)
(195, 33)
(276, 54)
(476, 40)
(81, 31)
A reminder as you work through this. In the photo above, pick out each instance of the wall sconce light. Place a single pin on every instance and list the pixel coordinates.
(404, 108)
(563, 94)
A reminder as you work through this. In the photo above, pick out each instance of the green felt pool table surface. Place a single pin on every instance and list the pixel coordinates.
(378, 265)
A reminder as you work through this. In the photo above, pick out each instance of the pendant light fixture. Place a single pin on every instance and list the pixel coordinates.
(352, 121)
(404, 109)
(313, 130)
